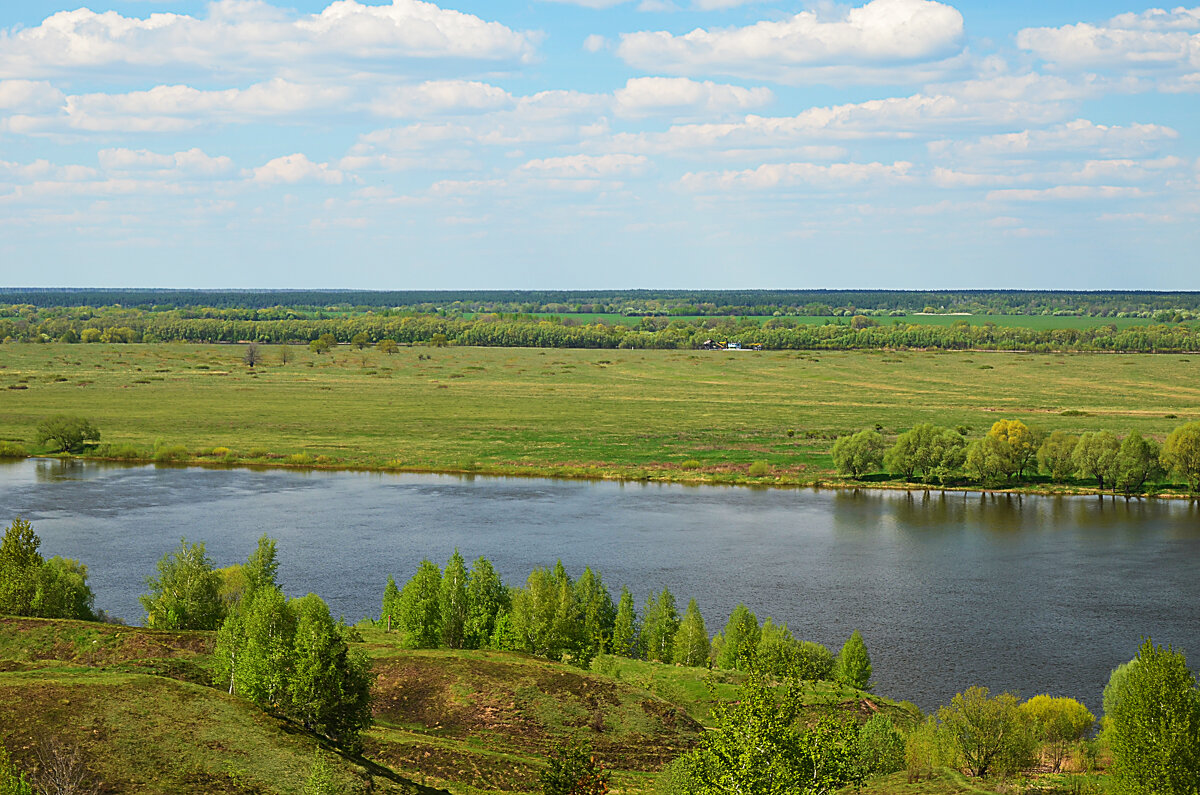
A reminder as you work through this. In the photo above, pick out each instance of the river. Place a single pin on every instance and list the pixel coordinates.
(1021, 593)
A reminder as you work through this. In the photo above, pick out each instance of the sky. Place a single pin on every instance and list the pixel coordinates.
(599, 144)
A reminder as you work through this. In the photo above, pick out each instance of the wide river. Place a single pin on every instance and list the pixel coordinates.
(1029, 594)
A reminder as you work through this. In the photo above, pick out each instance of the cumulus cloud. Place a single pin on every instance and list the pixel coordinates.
(29, 96)
(292, 169)
(1066, 193)
(587, 166)
(1155, 39)
(790, 175)
(869, 38)
(645, 96)
(194, 162)
(239, 34)
(441, 96)
(1078, 135)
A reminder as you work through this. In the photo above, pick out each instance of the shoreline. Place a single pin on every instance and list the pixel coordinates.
(596, 474)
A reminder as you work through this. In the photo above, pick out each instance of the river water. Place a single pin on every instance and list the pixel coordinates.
(1028, 594)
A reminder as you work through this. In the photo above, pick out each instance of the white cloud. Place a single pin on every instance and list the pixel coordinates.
(644, 96)
(292, 169)
(1078, 135)
(237, 34)
(441, 96)
(879, 34)
(29, 95)
(193, 162)
(895, 117)
(1153, 39)
(787, 175)
(589, 3)
(588, 166)
(720, 5)
(595, 43)
(1066, 192)
(180, 107)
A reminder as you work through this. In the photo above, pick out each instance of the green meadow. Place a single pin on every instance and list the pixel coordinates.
(684, 415)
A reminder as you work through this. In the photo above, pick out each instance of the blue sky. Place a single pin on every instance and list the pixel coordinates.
(599, 144)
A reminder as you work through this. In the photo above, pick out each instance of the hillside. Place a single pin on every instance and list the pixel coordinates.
(136, 702)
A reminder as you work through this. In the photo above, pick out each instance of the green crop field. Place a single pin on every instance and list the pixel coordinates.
(671, 414)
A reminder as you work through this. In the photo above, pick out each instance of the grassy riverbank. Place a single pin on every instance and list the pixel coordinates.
(674, 415)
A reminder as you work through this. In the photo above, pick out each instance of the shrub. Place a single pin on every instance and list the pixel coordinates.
(691, 463)
(12, 450)
(175, 452)
(758, 469)
(123, 451)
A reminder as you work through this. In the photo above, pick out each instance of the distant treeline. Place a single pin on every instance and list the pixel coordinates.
(495, 330)
(664, 302)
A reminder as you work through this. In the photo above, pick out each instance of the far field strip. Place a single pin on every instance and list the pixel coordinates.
(551, 411)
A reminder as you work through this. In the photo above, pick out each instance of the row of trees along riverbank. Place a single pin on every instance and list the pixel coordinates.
(1011, 449)
(854, 333)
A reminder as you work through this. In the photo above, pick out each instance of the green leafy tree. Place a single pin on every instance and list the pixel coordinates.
(853, 662)
(330, 687)
(778, 651)
(487, 599)
(186, 594)
(1137, 462)
(544, 614)
(1154, 725)
(66, 433)
(625, 627)
(1059, 723)
(387, 346)
(858, 454)
(660, 622)
(1096, 455)
(990, 460)
(880, 746)
(390, 610)
(1181, 454)
(814, 662)
(360, 340)
(1056, 455)
(262, 566)
(741, 637)
(691, 641)
(20, 564)
(62, 591)
(573, 769)
(1023, 440)
(759, 745)
(928, 449)
(598, 614)
(420, 607)
(452, 599)
(992, 735)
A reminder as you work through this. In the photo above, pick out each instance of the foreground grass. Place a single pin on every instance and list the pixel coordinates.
(672, 415)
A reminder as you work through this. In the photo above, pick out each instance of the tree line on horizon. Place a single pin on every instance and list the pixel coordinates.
(1093, 303)
(857, 332)
(1011, 449)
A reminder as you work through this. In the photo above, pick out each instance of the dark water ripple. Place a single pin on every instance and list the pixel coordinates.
(1016, 593)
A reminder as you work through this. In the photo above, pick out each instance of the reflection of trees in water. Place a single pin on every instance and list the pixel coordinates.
(930, 511)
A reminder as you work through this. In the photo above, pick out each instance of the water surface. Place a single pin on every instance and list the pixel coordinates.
(1030, 594)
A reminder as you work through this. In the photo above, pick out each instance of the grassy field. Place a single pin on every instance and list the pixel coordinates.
(683, 415)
